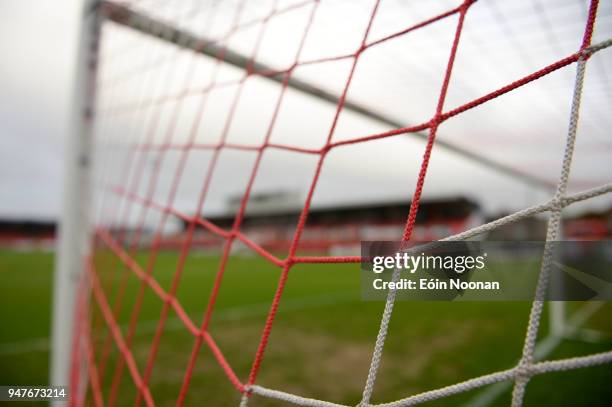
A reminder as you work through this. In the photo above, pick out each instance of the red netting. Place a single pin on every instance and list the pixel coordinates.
(125, 247)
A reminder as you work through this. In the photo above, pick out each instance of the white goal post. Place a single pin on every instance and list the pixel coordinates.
(74, 234)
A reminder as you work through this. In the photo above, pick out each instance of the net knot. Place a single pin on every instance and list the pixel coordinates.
(523, 371)
(556, 204)
(585, 54)
(360, 50)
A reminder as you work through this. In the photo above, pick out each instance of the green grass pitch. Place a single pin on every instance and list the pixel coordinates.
(320, 345)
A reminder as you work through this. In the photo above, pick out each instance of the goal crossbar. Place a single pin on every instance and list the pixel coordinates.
(154, 27)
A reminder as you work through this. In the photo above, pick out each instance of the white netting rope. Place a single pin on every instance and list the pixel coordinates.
(526, 367)
(552, 234)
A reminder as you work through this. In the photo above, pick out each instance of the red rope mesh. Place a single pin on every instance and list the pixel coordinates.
(125, 264)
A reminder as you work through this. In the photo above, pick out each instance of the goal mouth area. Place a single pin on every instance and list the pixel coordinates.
(220, 151)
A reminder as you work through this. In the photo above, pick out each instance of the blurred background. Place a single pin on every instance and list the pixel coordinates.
(155, 101)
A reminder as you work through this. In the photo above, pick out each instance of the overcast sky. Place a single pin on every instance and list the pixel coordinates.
(502, 41)
(37, 39)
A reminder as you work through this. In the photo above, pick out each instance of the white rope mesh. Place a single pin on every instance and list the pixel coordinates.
(526, 367)
(554, 224)
(291, 398)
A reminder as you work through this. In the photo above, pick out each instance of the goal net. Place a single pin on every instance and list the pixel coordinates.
(190, 103)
